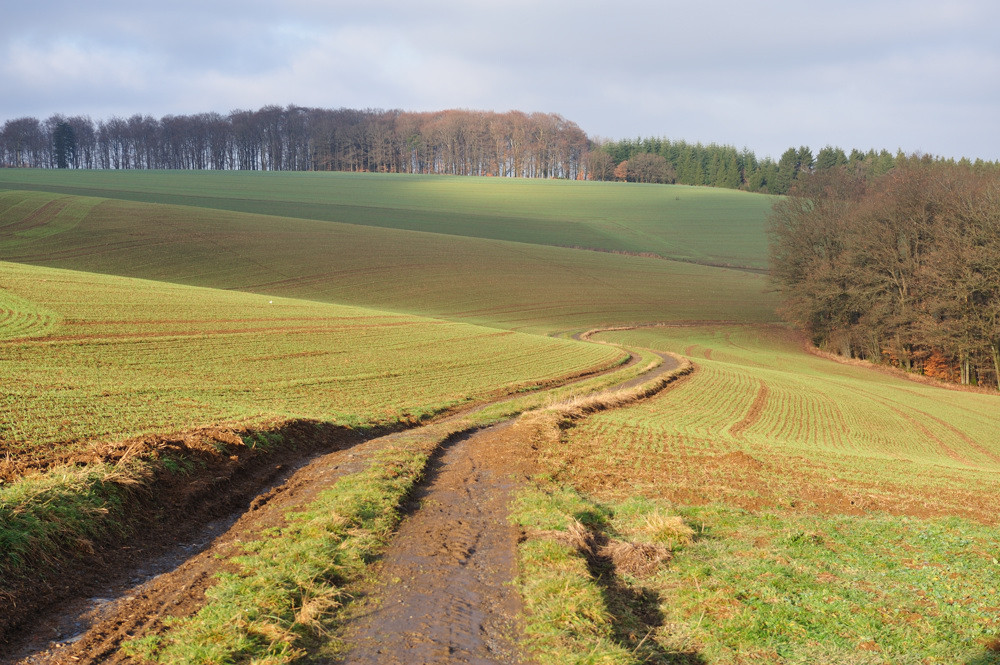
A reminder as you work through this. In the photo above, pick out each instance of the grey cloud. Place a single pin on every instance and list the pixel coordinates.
(912, 75)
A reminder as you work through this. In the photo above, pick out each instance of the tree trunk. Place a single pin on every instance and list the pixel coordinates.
(995, 352)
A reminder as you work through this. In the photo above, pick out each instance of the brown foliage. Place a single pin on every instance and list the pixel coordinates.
(892, 269)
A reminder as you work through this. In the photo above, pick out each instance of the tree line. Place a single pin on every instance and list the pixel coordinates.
(457, 142)
(900, 269)
(679, 162)
(293, 138)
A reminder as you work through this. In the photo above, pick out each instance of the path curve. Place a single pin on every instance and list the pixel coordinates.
(466, 559)
(444, 589)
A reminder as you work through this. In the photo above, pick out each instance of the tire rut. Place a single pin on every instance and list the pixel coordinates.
(443, 591)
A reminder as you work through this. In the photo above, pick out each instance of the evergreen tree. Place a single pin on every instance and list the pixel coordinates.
(64, 144)
(787, 171)
(830, 157)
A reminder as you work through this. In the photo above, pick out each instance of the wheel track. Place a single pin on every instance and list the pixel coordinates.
(474, 612)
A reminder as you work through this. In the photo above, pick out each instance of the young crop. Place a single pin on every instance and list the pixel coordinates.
(515, 285)
(86, 358)
(763, 423)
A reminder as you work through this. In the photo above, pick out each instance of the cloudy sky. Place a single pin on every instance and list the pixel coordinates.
(915, 75)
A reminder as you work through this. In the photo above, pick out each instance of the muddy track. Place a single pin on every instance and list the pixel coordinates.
(442, 592)
(90, 629)
(443, 589)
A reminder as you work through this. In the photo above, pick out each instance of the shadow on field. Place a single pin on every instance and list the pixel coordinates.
(636, 612)
(989, 657)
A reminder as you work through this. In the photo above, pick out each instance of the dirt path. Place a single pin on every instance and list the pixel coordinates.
(443, 595)
(91, 629)
(444, 591)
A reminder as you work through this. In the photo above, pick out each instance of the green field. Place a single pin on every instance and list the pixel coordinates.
(712, 226)
(87, 357)
(515, 285)
(844, 516)
(841, 514)
(760, 422)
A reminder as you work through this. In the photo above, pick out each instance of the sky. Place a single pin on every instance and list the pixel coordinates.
(916, 76)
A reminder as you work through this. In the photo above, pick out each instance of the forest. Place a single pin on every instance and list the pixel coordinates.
(680, 162)
(453, 142)
(294, 138)
(900, 269)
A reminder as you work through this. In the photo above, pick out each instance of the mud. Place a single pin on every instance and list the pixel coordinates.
(90, 629)
(443, 593)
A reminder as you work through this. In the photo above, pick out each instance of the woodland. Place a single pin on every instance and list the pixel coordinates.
(453, 142)
(899, 269)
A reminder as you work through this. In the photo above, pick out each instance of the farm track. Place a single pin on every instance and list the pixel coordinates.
(92, 627)
(443, 591)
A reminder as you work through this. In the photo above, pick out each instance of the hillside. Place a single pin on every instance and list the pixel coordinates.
(89, 357)
(727, 496)
(515, 285)
(704, 225)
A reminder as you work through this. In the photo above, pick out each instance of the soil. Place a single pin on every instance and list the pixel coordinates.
(90, 629)
(755, 412)
(454, 557)
(442, 592)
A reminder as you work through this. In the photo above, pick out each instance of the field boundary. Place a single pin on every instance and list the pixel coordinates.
(813, 350)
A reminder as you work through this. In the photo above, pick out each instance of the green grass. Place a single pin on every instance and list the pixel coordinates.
(109, 358)
(284, 588)
(791, 588)
(579, 606)
(851, 519)
(840, 513)
(283, 595)
(713, 226)
(508, 284)
(774, 587)
(63, 511)
(762, 422)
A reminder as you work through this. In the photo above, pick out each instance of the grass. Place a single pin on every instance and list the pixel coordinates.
(513, 285)
(63, 511)
(814, 543)
(761, 423)
(755, 587)
(283, 596)
(794, 588)
(583, 583)
(107, 358)
(838, 515)
(285, 587)
(713, 226)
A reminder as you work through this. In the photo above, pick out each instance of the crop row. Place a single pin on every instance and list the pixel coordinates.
(716, 226)
(761, 395)
(511, 284)
(128, 357)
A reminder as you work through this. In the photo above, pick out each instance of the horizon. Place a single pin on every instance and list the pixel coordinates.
(912, 77)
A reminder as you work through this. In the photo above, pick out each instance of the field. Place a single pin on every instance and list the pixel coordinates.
(840, 512)
(715, 227)
(785, 423)
(89, 357)
(800, 510)
(514, 285)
